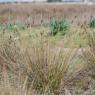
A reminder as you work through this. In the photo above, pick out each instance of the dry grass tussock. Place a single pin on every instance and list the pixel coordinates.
(36, 71)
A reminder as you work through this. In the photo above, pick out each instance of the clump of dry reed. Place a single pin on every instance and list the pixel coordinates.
(39, 70)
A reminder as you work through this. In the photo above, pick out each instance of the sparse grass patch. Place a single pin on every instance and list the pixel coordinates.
(89, 55)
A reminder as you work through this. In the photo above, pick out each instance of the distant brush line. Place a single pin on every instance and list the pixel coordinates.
(35, 1)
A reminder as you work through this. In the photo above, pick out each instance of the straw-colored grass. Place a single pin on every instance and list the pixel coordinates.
(40, 68)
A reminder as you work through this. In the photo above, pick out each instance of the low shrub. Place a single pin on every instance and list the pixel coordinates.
(59, 25)
(92, 23)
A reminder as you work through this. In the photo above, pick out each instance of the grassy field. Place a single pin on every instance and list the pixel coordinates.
(35, 14)
(75, 38)
(34, 61)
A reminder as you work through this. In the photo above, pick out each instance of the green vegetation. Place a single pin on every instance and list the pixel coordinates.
(12, 27)
(92, 23)
(59, 26)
